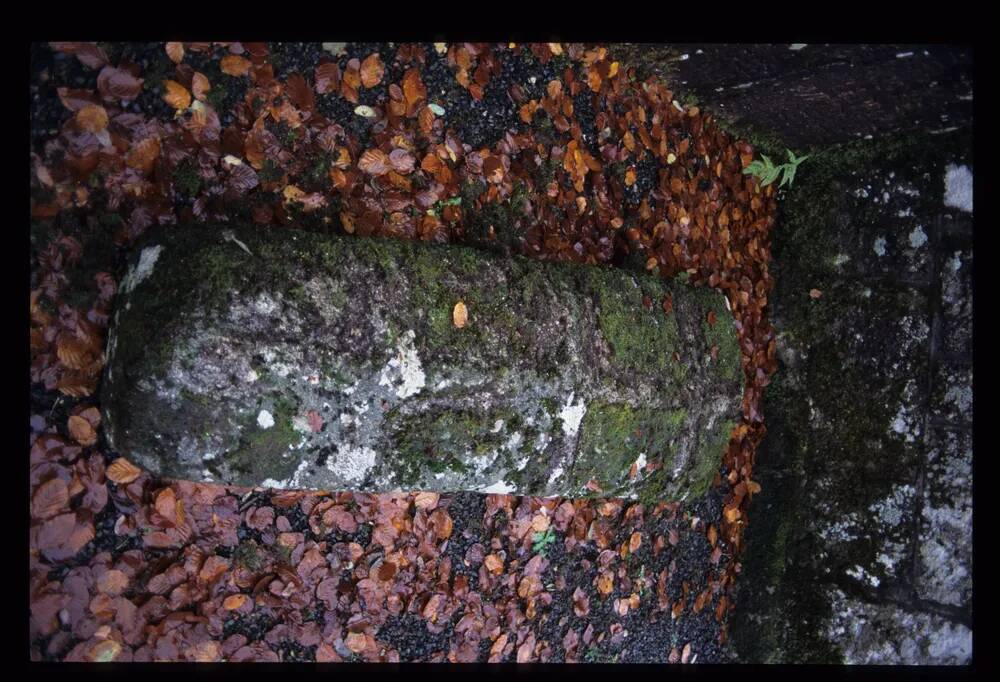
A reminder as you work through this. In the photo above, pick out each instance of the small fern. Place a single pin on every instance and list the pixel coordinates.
(767, 172)
(542, 541)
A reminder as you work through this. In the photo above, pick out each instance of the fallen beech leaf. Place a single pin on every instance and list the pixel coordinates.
(442, 524)
(81, 431)
(426, 500)
(581, 603)
(120, 84)
(143, 154)
(50, 498)
(112, 582)
(104, 651)
(234, 65)
(605, 582)
(634, 542)
(176, 52)
(540, 523)
(200, 86)
(372, 71)
(92, 118)
(497, 648)
(460, 315)
(374, 162)
(122, 472)
(494, 564)
(176, 95)
(629, 177)
(356, 642)
(234, 602)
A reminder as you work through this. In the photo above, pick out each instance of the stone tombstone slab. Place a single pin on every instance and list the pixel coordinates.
(287, 359)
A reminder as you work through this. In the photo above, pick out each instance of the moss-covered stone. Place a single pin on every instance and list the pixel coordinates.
(335, 362)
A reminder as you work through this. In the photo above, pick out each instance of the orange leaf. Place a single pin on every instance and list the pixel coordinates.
(235, 65)
(176, 52)
(92, 118)
(122, 471)
(372, 71)
(176, 95)
(234, 602)
(460, 315)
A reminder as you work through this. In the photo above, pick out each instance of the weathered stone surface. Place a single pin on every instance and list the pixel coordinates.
(859, 545)
(333, 363)
(819, 94)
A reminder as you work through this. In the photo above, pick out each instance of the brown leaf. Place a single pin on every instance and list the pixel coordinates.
(414, 90)
(426, 500)
(497, 649)
(115, 83)
(634, 542)
(104, 651)
(372, 71)
(442, 524)
(112, 582)
(122, 472)
(374, 162)
(460, 315)
(581, 603)
(235, 65)
(143, 154)
(166, 503)
(356, 641)
(605, 582)
(81, 431)
(50, 498)
(176, 95)
(494, 564)
(327, 77)
(200, 86)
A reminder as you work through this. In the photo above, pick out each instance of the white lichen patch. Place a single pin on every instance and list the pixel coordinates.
(958, 187)
(879, 247)
(301, 424)
(265, 420)
(918, 237)
(893, 509)
(640, 462)
(352, 463)
(859, 573)
(556, 473)
(571, 416)
(498, 488)
(147, 259)
(405, 368)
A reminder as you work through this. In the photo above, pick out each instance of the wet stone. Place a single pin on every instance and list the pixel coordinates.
(944, 560)
(878, 634)
(287, 359)
(956, 302)
(951, 393)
